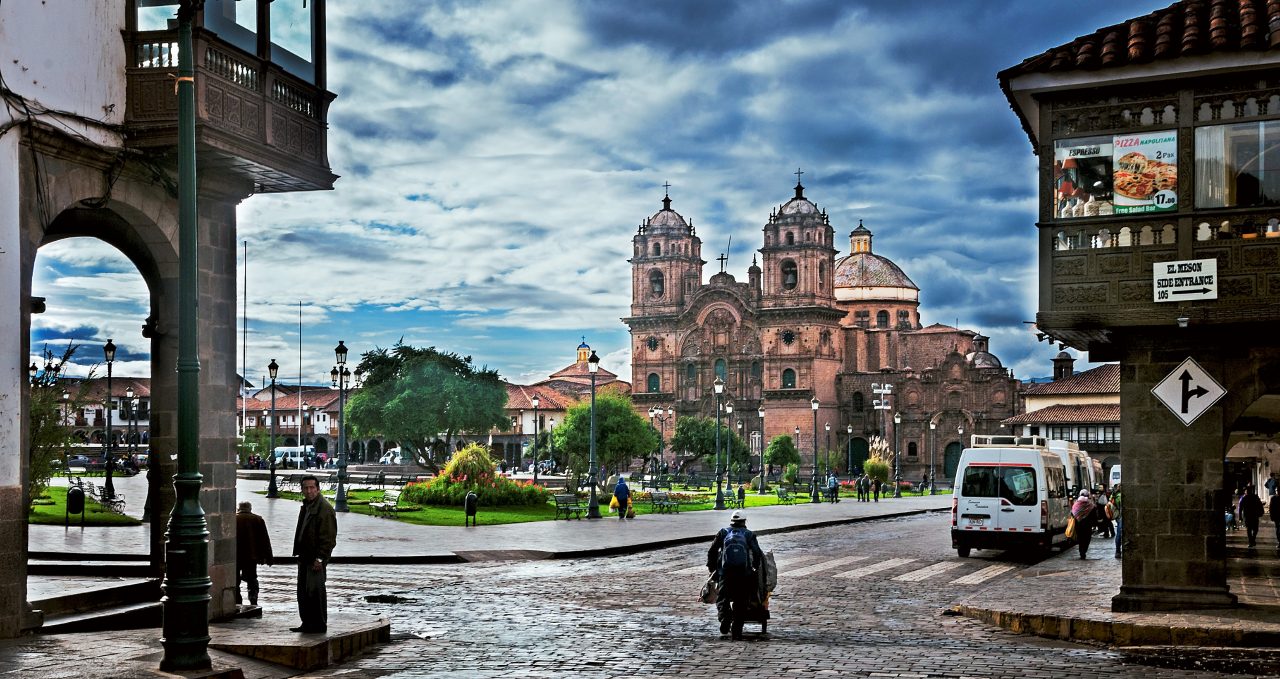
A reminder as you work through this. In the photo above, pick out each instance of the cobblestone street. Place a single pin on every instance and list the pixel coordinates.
(864, 599)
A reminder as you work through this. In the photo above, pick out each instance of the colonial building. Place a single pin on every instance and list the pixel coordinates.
(810, 340)
(1082, 407)
(1159, 242)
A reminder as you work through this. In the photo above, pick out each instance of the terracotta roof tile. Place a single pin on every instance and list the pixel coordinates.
(1092, 413)
(1104, 379)
(1185, 28)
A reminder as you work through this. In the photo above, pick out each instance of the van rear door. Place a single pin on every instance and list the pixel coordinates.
(979, 501)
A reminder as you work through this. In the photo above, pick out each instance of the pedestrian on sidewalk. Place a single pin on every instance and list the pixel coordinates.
(1117, 503)
(253, 547)
(875, 489)
(1273, 508)
(1104, 514)
(735, 558)
(1251, 510)
(1084, 512)
(622, 494)
(313, 543)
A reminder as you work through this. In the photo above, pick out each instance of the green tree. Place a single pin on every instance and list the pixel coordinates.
(256, 441)
(695, 439)
(621, 434)
(50, 438)
(420, 396)
(781, 452)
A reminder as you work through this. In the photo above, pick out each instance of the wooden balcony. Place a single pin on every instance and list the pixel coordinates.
(253, 120)
(1097, 275)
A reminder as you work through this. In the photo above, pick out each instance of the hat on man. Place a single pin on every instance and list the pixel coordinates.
(737, 519)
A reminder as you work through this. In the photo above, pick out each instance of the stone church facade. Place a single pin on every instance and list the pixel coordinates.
(803, 339)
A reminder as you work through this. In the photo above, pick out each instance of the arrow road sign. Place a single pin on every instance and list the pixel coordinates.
(1188, 391)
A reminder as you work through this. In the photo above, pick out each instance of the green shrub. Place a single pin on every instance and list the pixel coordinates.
(472, 470)
(877, 468)
(792, 474)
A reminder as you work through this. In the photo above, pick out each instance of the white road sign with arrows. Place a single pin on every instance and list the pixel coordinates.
(1188, 391)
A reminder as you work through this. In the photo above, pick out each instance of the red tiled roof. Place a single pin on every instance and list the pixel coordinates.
(580, 370)
(1093, 413)
(1185, 28)
(1104, 379)
(521, 397)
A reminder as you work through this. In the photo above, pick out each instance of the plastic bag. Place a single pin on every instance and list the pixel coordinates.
(613, 502)
(708, 595)
(770, 572)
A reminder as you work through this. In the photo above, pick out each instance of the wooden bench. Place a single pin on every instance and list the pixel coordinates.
(785, 497)
(390, 500)
(113, 504)
(568, 505)
(663, 504)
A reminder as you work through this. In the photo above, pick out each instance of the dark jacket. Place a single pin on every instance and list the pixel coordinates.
(746, 586)
(253, 545)
(317, 532)
(622, 493)
(1251, 507)
(1274, 507)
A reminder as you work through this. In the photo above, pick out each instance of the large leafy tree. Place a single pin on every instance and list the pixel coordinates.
(621, 433)
(422, 398)
(781, 452)
(695, 439)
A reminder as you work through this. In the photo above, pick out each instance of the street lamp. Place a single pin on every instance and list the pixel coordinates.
(136, 437)
(593, 505)
(826, 460)
(272, 490)
(551, 441)
(763, 439)
(108, 352)
(813, 403)
(128, 422)
(897, 456)
(725, 456)
(656, 413)
(537, 429)
(884, 390)
(848, 451)
(933, 426)
(341, 377)
(748, 458)
(719, 389)
(66, 415)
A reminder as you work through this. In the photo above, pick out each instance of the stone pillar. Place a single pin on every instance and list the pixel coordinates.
(1174, 544)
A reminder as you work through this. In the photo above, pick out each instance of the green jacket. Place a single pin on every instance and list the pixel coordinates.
(317, 531)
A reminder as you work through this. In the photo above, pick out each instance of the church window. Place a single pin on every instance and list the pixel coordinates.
(788, 379)
(690, 372)
(791, 238)
(859, 401)
(655, 383)
(756, 370)
(722, 369)
(882, 319)
(862, 319)
(912, 450)
(808, 237)
(788, 337)
(822, 272)
(657, 249)
(656, 284)
(789, 275)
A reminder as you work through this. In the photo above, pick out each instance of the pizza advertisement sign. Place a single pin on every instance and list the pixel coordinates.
(1146, 172)
(1082, 177)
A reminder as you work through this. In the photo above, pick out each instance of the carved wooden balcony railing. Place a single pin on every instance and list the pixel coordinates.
(1097, 275)
(253, 119)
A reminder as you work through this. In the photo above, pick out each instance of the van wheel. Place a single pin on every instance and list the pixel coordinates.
(963, 552)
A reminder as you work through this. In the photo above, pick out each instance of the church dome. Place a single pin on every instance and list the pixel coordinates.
(864, 269)
(983, 359)
(666, 218)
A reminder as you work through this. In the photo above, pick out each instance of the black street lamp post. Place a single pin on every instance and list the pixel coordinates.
(109, 490)
(727, 456)
(719, 389)
(826, 453)
(656, 413)
(813, 403)
(739, 482)
(537, 429)
(897, 456)
(764, 442)
(272, 489)
(593, 505)
(848, 451)
(341, 378)
(933, 426)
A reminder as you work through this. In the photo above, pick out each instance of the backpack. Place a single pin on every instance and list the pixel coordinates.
(734, 558)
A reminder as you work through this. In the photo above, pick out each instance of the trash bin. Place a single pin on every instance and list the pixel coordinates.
(75, 505)
(469, 505)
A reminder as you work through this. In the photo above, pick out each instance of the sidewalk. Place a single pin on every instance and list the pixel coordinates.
(1078, 606)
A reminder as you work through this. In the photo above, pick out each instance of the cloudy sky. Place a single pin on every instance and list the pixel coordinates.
(496, 158)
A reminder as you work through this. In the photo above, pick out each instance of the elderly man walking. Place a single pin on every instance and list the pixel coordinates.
(313, 543)
(253, 547)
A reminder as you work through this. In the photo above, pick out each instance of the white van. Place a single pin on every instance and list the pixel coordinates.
(1115, 477)
(1077, 462)
(1010, 493)
(294, 457)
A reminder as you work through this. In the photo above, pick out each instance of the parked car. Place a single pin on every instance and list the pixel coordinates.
(84, 462)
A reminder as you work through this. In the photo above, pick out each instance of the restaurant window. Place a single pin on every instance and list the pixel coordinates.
(1238, 165)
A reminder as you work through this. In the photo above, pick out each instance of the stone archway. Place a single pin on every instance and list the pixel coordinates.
(860, 450)
(951, 460)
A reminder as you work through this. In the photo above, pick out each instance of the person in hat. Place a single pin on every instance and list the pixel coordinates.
(1086, 520)
(735, 558)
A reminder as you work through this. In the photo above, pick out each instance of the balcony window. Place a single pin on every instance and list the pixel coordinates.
(291, 38)
(1238, 165)
(235, 21)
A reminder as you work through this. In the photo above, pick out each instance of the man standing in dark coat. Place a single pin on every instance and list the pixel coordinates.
(1251, 509)
(738, 589)
(253, 547)
(313, 544)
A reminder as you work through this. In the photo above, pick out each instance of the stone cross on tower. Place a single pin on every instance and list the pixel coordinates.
(722, 259)
(798, 173)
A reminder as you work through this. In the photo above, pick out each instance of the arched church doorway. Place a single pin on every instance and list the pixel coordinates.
(951, 459)
(859, 450)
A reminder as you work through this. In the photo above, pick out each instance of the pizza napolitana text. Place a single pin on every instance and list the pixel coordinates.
(1138, 177)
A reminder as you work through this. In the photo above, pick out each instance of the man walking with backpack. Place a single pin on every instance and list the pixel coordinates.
(735, 558)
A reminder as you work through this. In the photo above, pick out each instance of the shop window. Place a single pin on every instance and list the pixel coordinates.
(1238, 165)
(655, 384)
(788, 379)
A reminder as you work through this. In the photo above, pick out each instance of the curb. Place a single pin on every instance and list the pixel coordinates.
(1117, 633)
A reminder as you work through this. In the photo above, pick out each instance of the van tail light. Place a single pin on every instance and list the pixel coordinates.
(1044, 515)
(955, 503)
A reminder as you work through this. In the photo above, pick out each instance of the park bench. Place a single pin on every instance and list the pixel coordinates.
(663, 504)
(390, 501)
(785, 497)
(568, 505)
(115, 503)
(731, 499)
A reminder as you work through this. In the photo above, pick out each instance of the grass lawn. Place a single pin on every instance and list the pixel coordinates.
(95, 515)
